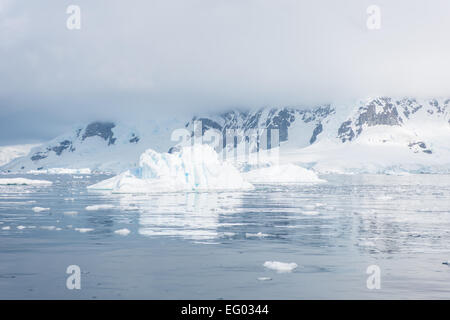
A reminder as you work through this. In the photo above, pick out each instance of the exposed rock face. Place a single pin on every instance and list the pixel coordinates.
(386, 111)
(63, 145)
(94, 129)
(317, 130)
(101, 129)
(134, 138)
(58, 149)
(380, 111)
(39, 156)
(419, 146)
(263, 119)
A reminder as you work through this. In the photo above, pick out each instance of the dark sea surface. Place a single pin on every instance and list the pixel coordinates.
(213, 245)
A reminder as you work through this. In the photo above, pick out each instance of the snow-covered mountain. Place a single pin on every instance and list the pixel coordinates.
(8, 153)
(381, 134)
(384, 135)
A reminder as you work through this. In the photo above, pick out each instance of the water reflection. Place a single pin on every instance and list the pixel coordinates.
(192, 216)
(369, 214)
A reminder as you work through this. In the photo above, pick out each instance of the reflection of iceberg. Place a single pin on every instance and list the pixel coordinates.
(195, 168)
(193, 216)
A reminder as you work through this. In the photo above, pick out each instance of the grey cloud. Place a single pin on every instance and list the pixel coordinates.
(151, 57)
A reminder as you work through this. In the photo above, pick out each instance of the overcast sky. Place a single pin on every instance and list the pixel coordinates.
(144, 58)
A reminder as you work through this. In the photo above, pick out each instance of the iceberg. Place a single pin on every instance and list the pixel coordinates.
(99, 207)
(280, 267)
(40, 209)
(23, 181)
(122, 232)
(286, 173)
(84, 230)
(193, 168)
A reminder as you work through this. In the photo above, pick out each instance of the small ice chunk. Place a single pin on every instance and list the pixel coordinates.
(99, 207)
(48, 227)
(384, 198)
(84, 230)
(21, 227)
(6, 228)
(264, 278)
(280, 267)
(310, 212)
(256, 235)
(23, 181)
(123, 232)
(39, 209)
(70, 213)
(228, 234)
(319, 204)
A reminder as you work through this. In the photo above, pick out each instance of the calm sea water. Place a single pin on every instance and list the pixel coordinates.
(214, 245)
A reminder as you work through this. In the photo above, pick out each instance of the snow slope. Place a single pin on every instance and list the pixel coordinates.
(98, 146)
(8, 153)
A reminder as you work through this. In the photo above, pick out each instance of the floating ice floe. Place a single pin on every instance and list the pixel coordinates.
(6, 228)
(40, 209)
(122, 232)
(310, 212)
(264, 279)
(70, 213)
(23, 181)
(287, 173)
(280, 267)
(84, 230)
(99, 207)
(61, 171)
(256, 235)
(194, 168)
(21, 227)
(48, 227)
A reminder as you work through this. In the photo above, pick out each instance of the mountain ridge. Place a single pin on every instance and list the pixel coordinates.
(410, 124)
